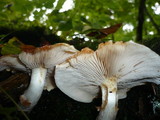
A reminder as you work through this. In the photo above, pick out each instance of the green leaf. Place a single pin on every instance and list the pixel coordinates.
(65, 25)
(12, 47)
(49, 3)
(84, 20)
(59, 4)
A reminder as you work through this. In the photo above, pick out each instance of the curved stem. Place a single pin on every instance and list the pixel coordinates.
(34, 91)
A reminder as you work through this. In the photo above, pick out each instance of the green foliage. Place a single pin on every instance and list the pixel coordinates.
(11, 47)
(8, 113)
(93, 14)
(65, 25)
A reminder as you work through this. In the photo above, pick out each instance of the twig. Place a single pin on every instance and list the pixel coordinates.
(14, 103)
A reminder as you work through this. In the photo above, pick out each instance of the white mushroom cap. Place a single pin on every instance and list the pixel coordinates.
(133, 64)
(11, 61)
(47, 56)
(71, 80)
(41, 61)
(124, 64)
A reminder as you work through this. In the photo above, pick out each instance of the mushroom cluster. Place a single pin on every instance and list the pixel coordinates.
(112, 70)
(40, 62)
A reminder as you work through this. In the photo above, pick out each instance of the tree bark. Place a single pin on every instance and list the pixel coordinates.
(141, 11)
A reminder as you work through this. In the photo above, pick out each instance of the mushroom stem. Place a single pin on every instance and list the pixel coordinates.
(109, 103)
(34, 91)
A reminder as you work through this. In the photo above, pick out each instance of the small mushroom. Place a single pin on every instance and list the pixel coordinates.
(113, 68)
(41, 62)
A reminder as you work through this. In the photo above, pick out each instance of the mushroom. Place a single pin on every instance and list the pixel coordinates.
(113, 69)
(11, 61)
(41, 62)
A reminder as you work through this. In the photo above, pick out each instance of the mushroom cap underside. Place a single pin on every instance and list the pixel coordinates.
(11, 61)
(130, 63)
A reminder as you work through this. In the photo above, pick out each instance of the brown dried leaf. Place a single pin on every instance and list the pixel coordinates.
(111, 29)
(102, 33)
(1, 45)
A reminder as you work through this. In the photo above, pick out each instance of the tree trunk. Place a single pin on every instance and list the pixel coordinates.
(141, 11)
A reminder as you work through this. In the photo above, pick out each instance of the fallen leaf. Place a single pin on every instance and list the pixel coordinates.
(102, 33)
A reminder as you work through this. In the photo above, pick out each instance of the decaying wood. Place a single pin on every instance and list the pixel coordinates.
(15, 81)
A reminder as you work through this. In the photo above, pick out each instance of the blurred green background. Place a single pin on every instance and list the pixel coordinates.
(82, 23)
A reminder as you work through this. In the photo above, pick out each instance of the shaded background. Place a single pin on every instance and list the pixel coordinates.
(86, 23)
